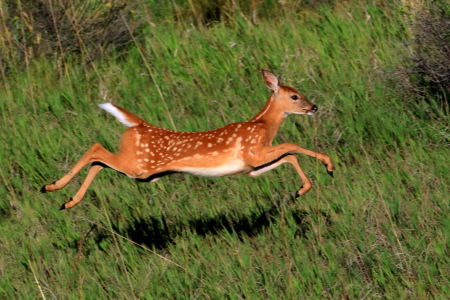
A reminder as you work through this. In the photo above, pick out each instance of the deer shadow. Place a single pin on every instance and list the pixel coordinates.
(157, 233)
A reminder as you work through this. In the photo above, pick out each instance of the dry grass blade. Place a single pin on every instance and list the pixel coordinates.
(37, 281)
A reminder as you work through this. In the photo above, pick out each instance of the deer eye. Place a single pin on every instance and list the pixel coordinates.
(294, 97)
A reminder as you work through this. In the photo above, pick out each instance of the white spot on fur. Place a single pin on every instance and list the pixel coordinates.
(138, 138)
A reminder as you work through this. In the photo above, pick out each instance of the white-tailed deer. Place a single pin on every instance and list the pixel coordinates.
(149, 153)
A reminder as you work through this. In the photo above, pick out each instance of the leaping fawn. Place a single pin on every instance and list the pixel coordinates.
(149, 153)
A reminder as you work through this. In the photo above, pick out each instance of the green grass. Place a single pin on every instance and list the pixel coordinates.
(378, 229)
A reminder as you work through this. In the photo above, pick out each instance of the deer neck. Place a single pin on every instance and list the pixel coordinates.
(271, 116)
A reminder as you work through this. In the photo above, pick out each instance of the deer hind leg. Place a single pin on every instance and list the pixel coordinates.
(84, 161)
(93, 171)
(290, 158)
(97, 153)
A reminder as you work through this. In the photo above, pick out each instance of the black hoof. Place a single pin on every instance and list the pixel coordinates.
(297, 194)
(43, 189)
(62, 206)
(330, 173)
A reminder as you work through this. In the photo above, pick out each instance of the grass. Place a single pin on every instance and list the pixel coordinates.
(378, 229)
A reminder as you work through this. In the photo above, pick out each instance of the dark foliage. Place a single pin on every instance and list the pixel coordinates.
(43, 27)
(430, 61)
(205, 12)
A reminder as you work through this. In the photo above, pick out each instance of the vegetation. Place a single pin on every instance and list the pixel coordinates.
(380, 228)
(429, 67)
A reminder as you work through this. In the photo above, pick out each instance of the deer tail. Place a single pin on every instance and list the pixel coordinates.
(124, 116)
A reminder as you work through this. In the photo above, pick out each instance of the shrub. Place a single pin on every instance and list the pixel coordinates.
(43, 27)
(206, 12)
(429, 69)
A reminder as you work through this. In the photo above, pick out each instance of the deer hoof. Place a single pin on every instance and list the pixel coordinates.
(297, 193)
(330, 173)
(62, 206)
(43, 189)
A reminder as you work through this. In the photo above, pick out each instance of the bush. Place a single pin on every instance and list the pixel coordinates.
(206, 12)
(44, 27)
(429, 71)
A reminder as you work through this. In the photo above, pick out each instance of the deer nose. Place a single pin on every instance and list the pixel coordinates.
(314, 108)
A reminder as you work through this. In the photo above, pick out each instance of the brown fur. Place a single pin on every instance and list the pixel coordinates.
(150, 152)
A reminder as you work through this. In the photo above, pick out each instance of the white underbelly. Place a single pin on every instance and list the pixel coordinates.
(231, 168)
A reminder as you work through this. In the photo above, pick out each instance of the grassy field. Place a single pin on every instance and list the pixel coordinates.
(379, 229)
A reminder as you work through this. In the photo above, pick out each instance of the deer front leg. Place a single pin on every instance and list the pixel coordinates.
(290, 158)
(265, 155)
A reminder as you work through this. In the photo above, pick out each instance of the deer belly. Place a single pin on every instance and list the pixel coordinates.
(232, 167)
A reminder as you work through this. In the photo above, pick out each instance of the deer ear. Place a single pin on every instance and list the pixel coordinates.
(270, 80)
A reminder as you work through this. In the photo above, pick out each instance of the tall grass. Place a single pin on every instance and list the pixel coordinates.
(379, 229)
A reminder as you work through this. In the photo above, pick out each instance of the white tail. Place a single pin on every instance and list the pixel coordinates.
(148, 152)
(125, 117)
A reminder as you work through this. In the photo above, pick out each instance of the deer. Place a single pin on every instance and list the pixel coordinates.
(148, 152)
